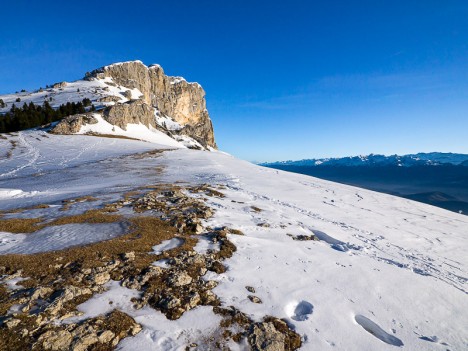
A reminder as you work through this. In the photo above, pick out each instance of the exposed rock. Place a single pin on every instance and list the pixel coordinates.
(184, 102)
(128, 256)
(302, 237)
(83, 343)
(254, 299)
(250, 289)
(106, 336)
(101, 278)
(72, 124)
(180, 279)
(56, 340)
(133, 112)
(11, 323)
(265, 337)
(59, 85)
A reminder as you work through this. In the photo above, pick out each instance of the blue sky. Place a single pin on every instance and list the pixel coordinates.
(284, 79)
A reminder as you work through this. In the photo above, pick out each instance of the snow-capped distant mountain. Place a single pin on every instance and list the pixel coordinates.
(421, 177)
(419, 159)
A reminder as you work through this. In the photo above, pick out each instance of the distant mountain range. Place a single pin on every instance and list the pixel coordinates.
(436, 178)
(420, 159)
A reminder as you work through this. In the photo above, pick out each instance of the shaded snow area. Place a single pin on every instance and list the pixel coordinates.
(167, 245)
(349, 269)
(59, 237)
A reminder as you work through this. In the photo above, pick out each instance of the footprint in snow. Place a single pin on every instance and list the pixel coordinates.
(299, 311)
(375, 330)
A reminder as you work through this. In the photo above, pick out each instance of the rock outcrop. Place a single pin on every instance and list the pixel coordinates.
(72, 124)
(133, 112)
(174, 97)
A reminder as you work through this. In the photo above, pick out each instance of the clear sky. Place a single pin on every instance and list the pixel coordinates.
(284, 79)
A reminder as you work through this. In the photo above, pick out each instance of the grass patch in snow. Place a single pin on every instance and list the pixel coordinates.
(20, 225)
(112, 136)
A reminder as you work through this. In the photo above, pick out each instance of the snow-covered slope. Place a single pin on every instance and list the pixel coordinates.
(385, 272)
(97, 90)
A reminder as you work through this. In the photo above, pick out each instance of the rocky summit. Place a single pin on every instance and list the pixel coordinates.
(129, 93)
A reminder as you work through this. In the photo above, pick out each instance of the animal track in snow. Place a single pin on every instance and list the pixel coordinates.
(299, 311)
(374, 329)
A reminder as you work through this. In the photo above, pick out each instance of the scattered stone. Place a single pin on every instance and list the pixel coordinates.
(106, 336)
(302, 237)
(256, 209)
(254, 299)
(56, 340)
(264, 225)
(101, 278)
(180, 279)
(128, 256)
(250, 289)
(11, 323)
(265, 337)
(83, 343)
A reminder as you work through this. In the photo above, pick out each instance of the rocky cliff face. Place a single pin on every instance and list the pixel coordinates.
(135, 93)
(182, 101)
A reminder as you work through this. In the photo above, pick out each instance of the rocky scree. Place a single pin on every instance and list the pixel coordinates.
(55, 283)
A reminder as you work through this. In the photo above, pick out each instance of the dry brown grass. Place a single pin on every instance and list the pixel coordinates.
(145, 232)
(20, 225)
(23, 209)
(111, 136)
(31, 225)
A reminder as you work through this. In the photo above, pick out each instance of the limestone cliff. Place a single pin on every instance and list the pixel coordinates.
(182, 101)
(132, 93)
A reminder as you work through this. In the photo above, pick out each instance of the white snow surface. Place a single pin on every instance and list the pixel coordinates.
(167, 245)
(386, 273)
(94, 90)
(135, 131)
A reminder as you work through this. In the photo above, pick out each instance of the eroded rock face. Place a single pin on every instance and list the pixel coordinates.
(264, 336)
(72, 124)
(184, 102)
(134, 112)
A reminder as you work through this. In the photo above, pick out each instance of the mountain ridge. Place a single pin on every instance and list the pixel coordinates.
(408, 160)
(126, 93)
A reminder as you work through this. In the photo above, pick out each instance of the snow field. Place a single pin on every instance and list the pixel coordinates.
(385, 272)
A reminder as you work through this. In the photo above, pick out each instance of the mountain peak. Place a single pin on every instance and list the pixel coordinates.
(132, 93)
